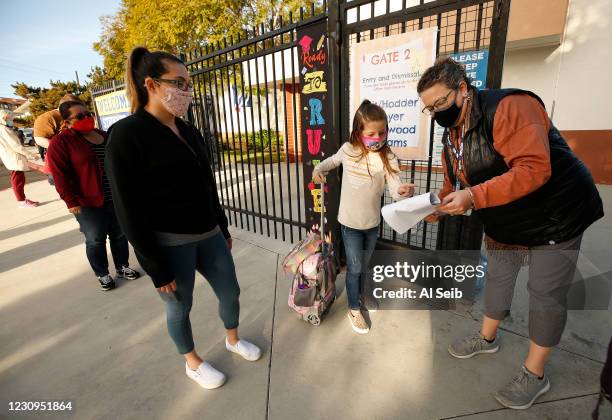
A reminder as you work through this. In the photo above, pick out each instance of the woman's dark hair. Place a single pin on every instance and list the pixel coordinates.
(367, 112)
(143, 63)
(70, 97)
(445, 70)
(64, 108)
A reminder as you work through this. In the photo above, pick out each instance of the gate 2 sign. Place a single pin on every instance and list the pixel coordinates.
(386, 71)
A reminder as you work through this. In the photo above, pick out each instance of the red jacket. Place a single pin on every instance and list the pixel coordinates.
(75, 169)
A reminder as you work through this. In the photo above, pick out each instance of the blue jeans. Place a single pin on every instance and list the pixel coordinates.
(358, 246)
(213, 259)
(98, 223)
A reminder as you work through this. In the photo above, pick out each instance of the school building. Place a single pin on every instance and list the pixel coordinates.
(560, 49)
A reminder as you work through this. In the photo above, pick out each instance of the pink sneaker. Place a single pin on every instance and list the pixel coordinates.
(27, 204)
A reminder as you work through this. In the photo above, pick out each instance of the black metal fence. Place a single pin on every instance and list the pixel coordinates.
(247, 101)
(247, 105)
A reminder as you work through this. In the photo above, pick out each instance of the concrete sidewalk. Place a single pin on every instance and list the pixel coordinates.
(61, 338)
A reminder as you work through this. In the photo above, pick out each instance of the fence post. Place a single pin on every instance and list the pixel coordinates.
(95, 108)
(190, 111)
(497, 47)
(334, 31)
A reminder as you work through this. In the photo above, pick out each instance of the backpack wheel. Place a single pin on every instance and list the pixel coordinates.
(314, 319)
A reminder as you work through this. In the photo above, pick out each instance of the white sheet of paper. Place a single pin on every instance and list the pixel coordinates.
(405, 214)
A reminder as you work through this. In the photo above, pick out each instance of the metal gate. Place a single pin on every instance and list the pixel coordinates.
(247, 99)
(463, 25)
(247, 104)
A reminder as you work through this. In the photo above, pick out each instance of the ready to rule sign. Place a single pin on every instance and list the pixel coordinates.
(386, 71)
(316, 117)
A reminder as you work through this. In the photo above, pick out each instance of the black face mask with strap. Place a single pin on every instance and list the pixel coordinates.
(448, 117)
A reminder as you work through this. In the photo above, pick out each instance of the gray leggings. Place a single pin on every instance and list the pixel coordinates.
(213, 259)
(551, 271)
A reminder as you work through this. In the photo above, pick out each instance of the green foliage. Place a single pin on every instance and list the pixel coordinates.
(257, 141)
(254, 157)
(182, 26)
(264, 140)
(99, 76)
(46, 99)
(24, 122)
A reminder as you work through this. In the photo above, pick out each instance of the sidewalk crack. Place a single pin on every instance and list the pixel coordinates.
(272, 338)
(510, 410)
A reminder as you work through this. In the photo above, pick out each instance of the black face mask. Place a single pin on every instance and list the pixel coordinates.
(448, 117)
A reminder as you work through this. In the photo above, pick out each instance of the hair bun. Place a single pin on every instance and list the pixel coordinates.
(138, 54)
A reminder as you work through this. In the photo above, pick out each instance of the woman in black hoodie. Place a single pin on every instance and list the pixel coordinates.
(167, 204)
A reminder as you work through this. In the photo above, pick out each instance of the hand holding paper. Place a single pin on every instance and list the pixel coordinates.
(406, 190)
(405, 214)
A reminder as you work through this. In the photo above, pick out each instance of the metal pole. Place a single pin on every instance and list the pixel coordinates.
(497, 48)
(337, 129)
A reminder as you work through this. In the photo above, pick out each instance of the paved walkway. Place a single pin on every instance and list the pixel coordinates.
(61, 338)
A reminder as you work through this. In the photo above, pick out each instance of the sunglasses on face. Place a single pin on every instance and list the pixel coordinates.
(81, 115)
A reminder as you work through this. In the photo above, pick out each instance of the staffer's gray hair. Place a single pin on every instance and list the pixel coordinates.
(445, 70)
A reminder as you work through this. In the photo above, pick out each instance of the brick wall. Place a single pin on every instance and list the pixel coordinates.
(290, 122)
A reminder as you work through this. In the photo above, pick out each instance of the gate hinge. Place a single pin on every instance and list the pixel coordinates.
(337, 34)
(498, 8)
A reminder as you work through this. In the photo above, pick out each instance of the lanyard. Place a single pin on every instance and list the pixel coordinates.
(458, 155)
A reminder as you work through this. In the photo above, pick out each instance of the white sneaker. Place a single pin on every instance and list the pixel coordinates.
(247, 350)
(205, 375)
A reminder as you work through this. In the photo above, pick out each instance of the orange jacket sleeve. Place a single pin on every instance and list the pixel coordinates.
(520, 136)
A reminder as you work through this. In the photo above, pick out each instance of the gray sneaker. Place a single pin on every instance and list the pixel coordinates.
(522, 391)
(471, 346)
(126, 272)
(107, 282)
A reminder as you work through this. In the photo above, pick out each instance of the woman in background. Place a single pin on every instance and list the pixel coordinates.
(76, 159)
(15, 158)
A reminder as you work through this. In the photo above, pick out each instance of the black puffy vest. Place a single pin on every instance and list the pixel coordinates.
(559, 210)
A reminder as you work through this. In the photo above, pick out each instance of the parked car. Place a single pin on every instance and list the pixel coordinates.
(29, 136)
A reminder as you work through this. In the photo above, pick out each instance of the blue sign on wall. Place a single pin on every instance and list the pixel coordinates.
(107, 120)
(475, 63)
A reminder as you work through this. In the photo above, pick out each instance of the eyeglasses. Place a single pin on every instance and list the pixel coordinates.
(82, 115)
(180, 83)
(439, 104)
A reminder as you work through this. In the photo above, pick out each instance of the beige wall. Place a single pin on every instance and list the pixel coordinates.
(576, 74)
(536, 22)
(533, 69)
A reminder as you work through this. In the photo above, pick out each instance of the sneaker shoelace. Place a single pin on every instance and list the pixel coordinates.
(518, 381)
(475, 341)
(105, 279)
